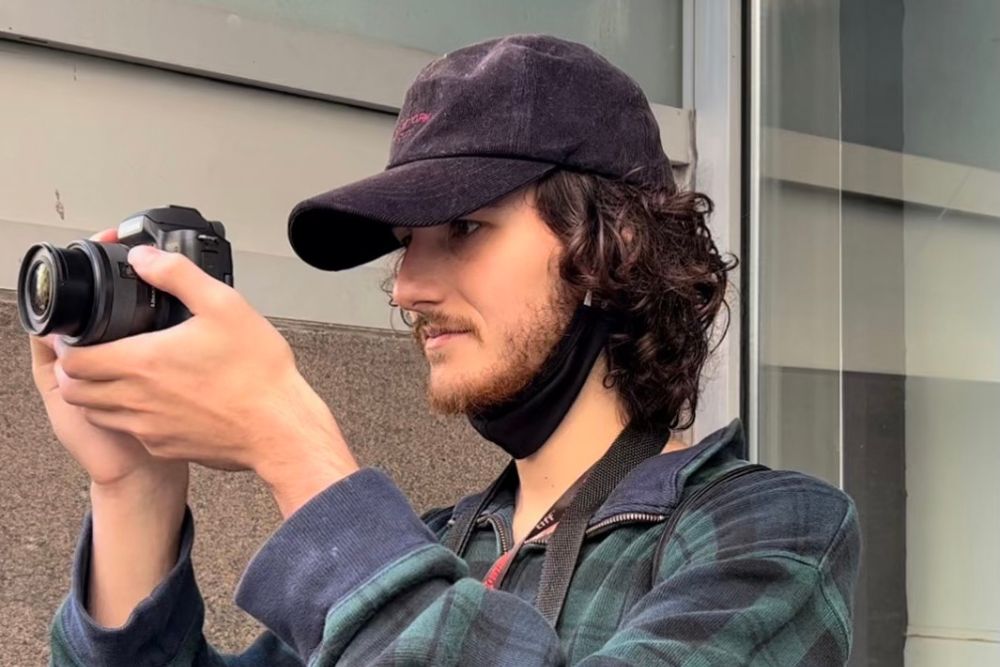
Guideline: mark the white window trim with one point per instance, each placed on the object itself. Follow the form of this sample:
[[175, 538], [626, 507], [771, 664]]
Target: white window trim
[[712, 81]]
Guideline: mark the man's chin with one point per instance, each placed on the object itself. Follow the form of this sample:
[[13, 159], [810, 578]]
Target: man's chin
[[449, 398], [446, 406], [465, 395]]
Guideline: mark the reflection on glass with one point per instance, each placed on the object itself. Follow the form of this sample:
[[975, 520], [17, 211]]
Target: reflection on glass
[[879, 363], [799, 267]]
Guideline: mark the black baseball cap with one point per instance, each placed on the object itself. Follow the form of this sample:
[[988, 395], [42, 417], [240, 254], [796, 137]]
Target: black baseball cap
[[477, 124]]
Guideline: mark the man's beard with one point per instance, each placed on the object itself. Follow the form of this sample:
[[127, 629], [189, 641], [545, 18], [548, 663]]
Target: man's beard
[[526, 347]]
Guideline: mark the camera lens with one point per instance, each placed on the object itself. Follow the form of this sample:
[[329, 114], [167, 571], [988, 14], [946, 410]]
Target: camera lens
[[40, 288], [55, 290], [87, 292]]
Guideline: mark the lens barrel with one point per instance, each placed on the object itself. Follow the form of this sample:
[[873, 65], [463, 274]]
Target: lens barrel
[[87, 292], [55, 290]]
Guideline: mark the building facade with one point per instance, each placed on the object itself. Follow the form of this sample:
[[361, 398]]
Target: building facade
[[852, 148]]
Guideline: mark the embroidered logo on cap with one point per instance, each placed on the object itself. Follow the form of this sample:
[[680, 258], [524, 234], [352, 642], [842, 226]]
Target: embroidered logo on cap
[[407, 125]]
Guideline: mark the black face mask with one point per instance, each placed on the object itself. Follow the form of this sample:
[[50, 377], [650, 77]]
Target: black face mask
[[522, 424]]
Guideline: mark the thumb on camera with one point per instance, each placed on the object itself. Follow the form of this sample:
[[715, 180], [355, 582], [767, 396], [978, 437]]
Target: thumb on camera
[[142, 255], [174, 274]]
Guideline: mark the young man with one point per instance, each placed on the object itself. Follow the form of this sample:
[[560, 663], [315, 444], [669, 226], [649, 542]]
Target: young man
[[563, 292]]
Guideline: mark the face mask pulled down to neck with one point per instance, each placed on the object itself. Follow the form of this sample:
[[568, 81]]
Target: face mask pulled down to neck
[[522, 424]]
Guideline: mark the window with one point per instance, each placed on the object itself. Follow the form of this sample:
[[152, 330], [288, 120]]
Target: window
[[875, 365]]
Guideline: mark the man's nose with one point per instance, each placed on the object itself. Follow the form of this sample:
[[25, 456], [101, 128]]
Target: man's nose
[[419, 282]]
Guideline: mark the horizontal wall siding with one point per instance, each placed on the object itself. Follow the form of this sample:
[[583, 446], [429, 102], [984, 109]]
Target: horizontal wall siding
[[89, 141]]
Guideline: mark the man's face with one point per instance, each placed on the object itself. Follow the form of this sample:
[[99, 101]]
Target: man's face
[[486, 299]]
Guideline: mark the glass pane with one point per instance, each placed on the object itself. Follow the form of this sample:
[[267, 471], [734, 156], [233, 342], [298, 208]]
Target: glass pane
[[951, 99], [799, 268], [643, 37], [878, 320]]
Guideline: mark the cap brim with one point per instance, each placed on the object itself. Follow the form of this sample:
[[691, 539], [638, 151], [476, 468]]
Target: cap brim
[[353, 224]]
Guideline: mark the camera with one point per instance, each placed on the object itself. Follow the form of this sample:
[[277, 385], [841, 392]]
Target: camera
[[89, 293]]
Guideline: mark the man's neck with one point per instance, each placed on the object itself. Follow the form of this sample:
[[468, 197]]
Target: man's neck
[[585, 435]]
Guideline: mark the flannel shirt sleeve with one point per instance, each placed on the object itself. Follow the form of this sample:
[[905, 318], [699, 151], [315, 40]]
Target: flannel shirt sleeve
[[163, 629]]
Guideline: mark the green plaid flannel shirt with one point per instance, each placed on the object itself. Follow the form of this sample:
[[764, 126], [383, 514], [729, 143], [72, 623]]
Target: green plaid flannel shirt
[[760, 574]]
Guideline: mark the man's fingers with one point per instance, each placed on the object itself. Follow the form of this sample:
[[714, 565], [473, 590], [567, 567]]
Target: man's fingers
[[110, 420], [106, 236], [177, 275], [88, 394], [100, 363], [42, 357], [42, 349]]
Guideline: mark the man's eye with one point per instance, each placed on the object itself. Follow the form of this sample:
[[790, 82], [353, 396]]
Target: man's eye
[[462, 228]]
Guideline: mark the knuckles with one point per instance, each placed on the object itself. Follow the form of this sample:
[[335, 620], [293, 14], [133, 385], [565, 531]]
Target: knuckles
[[70, 392], [141, 431], [93, 417], [68, 367]]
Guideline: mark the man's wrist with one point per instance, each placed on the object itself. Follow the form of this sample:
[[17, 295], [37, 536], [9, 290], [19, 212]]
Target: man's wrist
[[136, 532], [296, 483], [168, 479], [307, 453]]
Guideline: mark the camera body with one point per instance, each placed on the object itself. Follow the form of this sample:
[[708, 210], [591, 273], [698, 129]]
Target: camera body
[[182, 230], [89, 293]]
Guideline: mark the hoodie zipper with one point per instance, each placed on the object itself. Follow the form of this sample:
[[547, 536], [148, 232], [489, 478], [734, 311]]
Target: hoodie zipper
[[506, 537], [605, 525], [501, 528], [626, 517]]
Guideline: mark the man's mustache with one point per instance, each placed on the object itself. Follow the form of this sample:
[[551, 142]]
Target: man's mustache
[[436, 323]]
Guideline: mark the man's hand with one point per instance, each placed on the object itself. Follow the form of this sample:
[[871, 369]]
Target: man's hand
[[220, 389], [109, 457]]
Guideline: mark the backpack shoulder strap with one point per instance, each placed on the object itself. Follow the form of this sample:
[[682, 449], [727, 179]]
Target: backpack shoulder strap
[[694, 501]]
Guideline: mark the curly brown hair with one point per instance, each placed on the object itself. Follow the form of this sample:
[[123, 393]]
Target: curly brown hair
[[647, 256]]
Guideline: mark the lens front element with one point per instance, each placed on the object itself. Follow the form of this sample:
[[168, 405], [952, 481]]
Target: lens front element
[[40, 286]]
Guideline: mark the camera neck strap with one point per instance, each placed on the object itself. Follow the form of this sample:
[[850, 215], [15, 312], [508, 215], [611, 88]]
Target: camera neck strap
[[570, 515], [495, 576]]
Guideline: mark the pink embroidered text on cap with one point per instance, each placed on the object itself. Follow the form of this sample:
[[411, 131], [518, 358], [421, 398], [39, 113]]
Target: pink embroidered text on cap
[[407, 125]]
